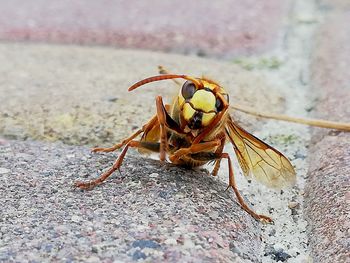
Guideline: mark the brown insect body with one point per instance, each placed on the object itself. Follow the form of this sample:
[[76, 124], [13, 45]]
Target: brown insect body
[[193, 130], [190, 129]]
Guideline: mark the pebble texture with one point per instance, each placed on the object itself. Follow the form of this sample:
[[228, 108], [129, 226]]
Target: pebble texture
[[220, 28], [149, 211], [79, 95], [327, 191]]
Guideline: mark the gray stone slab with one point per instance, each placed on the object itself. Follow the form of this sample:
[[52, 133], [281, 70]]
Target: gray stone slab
[[149, 211]]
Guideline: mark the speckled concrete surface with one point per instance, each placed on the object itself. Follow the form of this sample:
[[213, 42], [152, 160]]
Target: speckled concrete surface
[[149, 211]]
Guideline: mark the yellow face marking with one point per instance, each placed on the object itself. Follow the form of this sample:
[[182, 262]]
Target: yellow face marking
[[213, 86], [209, 85], [207, 118], [203, 100], [188, 112]]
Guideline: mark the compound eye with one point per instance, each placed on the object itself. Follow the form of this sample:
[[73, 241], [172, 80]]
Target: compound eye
[[188, 89], [218, 105]]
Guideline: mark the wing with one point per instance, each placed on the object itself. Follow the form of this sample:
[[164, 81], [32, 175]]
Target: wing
[[152, 131], [265, 163], [151, 134]]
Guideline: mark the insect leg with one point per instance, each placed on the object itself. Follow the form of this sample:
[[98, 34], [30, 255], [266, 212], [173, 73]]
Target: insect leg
[[118, 145], [194, 148], [219, 152], [145, 128], [232, 183], [117, 164]]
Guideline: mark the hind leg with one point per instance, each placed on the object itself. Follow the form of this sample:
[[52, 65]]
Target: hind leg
[[232, 183]]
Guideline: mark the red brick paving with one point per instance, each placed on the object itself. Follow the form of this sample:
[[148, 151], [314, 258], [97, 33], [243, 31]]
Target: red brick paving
[[335, 4], [221, 28], [327, 191]]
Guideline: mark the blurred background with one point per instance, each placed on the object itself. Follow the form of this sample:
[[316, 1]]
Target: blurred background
[[224, 28]]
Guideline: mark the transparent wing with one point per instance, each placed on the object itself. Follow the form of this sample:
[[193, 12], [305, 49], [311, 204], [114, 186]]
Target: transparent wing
[[255, 157]]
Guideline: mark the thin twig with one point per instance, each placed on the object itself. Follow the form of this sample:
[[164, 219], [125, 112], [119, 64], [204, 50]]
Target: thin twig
[[343, 126]]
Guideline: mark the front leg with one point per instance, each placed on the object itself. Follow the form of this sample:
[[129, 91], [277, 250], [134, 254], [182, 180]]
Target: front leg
[[165, 123], [136, 144], [194, 148], [145, 128], [219, 152]]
